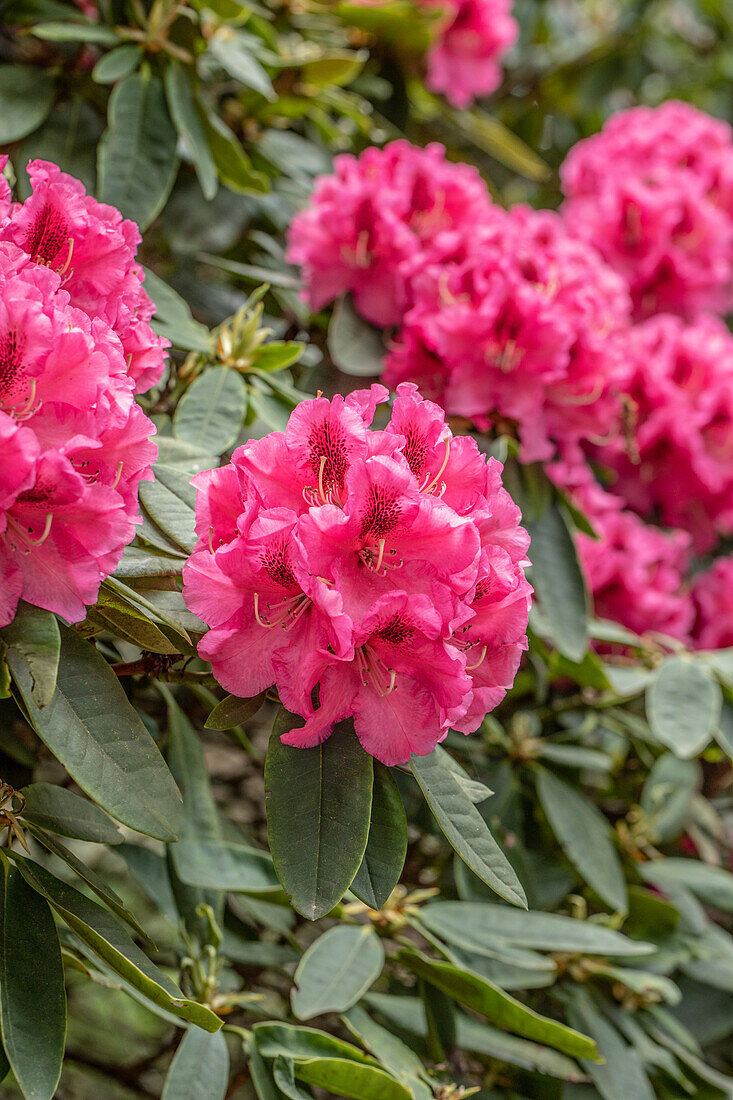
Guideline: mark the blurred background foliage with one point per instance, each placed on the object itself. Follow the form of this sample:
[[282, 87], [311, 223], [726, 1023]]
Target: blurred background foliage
[[207, 124]]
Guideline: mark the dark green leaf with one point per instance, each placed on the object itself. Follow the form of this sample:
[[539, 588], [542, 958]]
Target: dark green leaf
[[584, 835], [33, 637], [210, 413], [137, 155], [232, 163], [170, 501], [302, 1043], [683, 705], [354, 346], [200, 1068], [26, 98], [318, 838], [621, 1074], [386, 848], [351, 1080], [394, 1055], [283, 1073], [336, 970], [173, 318], [117, 64], [68, 814], [77, 32], [92, 729], [183, 110], [465, 828], [713, 885], [558, 582], [33, 1003], [233, 711]]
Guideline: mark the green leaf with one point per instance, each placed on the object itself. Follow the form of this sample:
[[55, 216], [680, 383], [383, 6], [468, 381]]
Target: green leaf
[[117, 64], [683, 705], [464, 827], [283, 1074], [233, 711], [137, 158], [26, 99], [211, 411], [318, 837], [33, 1004], [301, 1043], [481, 925], [497, 1006], [183, 111], [231, 50], [386, 848], [173, 317], [483, 1039], [170, 501], [336, 970], [558, 582], [109, 939], [200, 1068], [351, 1080], [77, 32], [394, 1055], [68, 814], [335, 69], [584, 835], [712, 885], [33, 637], [489, 134], [621, 1074], [232, 163], [668, 794], [354, 346], [93, 730]]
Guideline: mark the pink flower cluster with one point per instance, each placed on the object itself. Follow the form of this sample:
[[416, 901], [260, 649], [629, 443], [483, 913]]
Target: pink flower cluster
[[712, 592], [653, 192], [374, 215], [382, 568], [472, 37], [517, 324], [74, 445]]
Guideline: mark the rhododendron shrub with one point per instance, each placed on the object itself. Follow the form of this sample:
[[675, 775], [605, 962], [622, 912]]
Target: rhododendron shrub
[[653, 192], [671, 455], [515, 326], [74, 445], [383, 568], [377, 213]]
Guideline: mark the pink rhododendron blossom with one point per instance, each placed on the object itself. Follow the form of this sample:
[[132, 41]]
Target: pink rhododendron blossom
[[74, 445], [92, 248], [712, 592], [653, 192], [471, 38], [516, 322], [380, 573], [375, 212], [635, 571], [672, 455]]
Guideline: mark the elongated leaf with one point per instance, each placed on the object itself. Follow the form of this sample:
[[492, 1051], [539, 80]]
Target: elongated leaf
[[683, 706], [283, 1074], [354, 346], [173, 319], [386, 848], [137, 154], [200, 1068], [26, 98], [33, 1003], [34, 637], [318, 838], [465, 828], [117, 64], [394, 1055], [668, 794], [301, 1043], [336, 970], [558, 582], [170, 501], [351, 1080], [713, 885], [211, 411], [182, 106], [92, 729], [497, 1006], [76, 32], [233, 711], [583, 833], [481, 1038], [108, 938], [231, 50], [61, 811], [621, 1074], [232, 163], [482, 924]]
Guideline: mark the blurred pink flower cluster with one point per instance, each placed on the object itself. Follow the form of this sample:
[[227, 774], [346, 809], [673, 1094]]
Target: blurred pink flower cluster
[[591, 335], [653, 192], [472, 36], [75, 345], [383, 567]]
